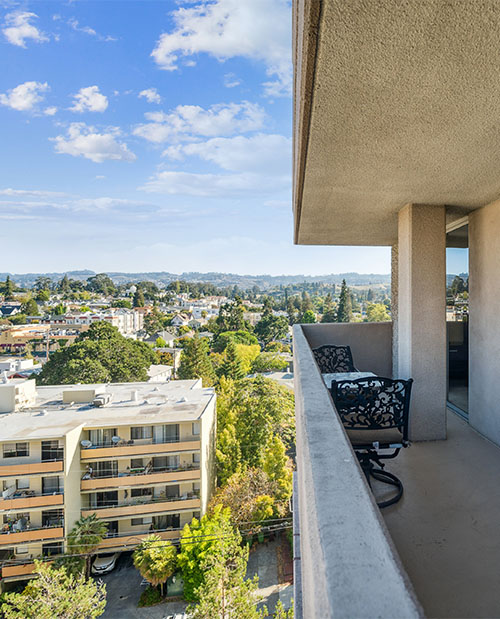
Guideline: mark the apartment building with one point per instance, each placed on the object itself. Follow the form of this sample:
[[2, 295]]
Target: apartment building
[[128, 322], [139, 455], [14, 339]]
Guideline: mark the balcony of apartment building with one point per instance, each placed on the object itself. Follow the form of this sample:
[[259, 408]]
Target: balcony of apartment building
[[144, 501], [386, 99], [135, 472], [28, 458], [146, 440], [31, 494], [28, 527]]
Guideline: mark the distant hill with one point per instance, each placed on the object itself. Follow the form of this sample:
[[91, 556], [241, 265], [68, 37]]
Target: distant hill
[[218, 279]]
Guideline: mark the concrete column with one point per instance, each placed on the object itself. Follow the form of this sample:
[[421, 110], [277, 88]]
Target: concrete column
[[421, 324], [394, 307], [484, 320]]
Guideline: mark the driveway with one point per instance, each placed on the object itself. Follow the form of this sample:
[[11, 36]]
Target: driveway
[[263, 561], [123, 590]]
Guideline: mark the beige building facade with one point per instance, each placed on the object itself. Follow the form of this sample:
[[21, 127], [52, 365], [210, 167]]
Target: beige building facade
[[138, 455]]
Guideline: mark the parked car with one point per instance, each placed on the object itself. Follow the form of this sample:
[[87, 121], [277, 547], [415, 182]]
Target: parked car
[[105, 562]]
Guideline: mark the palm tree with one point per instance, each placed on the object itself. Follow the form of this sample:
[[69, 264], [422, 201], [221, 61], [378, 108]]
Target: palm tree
[[85, 537], [156, 560]]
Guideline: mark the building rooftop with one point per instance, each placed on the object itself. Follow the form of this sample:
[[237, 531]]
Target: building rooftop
[[61, 408]]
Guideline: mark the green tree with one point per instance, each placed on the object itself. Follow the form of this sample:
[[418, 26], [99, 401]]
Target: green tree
[[225, 593], [160, 342], [64, 286], [59, 309], [238, 337], [344, 309], [85, 537], [230, 317], [100, 354], [308, 317], [199, 542], [139, 300], [125, 303], [30, 308], [249, 494], [8, 289], [329, 314], [195, 361], [156, 560], [43, 283], [232, 366], [257, 408], [154, 321], [269, 362], [271, 328], [281, 613], [55, 594], [101, 284], [42, 296], [377, 312], [277, 466]]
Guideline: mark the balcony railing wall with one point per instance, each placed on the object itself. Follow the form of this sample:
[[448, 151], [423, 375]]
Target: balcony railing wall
[[349, 567]]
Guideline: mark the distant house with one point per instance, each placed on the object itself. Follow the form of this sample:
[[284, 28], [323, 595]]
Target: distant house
[[9, 309], [181, 320], [159, 373]]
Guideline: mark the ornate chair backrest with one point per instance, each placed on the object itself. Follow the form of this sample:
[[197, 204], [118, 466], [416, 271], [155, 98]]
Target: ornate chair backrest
[[373, 403], [331, 358]]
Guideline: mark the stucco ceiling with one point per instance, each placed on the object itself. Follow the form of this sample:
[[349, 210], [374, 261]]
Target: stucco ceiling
[[405, 108]]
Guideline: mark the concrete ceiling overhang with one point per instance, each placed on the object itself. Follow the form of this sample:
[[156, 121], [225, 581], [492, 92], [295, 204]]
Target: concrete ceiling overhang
[[396, 102]]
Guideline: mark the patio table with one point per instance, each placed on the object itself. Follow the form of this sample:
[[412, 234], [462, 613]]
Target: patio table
[[329, 378]]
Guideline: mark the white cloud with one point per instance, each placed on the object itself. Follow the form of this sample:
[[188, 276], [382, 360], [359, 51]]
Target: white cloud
[[84, 141], [18, 28], [151, 94], [75, 24], [230, 80], [186, 121], [24, 97], [262, 153], [50, 111], [255, 29], [89, 100], [38, 193], [240, 185]]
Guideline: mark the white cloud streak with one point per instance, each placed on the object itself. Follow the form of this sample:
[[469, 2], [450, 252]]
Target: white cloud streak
[[82, 140], [75, 24], [255, 29], [186, 121], [18, 28]]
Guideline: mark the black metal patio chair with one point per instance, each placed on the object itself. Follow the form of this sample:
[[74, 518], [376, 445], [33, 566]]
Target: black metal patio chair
[[375, 414], [332, 359]]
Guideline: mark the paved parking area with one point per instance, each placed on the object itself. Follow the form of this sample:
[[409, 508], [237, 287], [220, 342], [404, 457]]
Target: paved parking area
[[123, 590]]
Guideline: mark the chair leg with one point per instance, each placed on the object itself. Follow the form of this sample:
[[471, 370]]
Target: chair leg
[[368, 467]]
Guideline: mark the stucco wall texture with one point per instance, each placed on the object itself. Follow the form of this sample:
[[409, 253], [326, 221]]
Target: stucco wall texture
[[484, 321], [422, 316], [405, 107]]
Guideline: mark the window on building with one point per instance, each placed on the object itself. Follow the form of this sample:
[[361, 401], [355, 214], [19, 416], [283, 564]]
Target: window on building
[[49, 550], [196, 458], [141, 492], [141, 432], [136, 463], [22, 550], [105, 469], [195, 428], [16, 450], [51, 451], [102, 436], [23, 484], [137, 522], [51, 485], [53, 518]]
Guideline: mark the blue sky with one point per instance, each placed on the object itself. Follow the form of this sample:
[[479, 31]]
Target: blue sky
[[151, 136]]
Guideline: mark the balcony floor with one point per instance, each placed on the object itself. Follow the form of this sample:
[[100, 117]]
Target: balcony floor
[[446, 527]]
